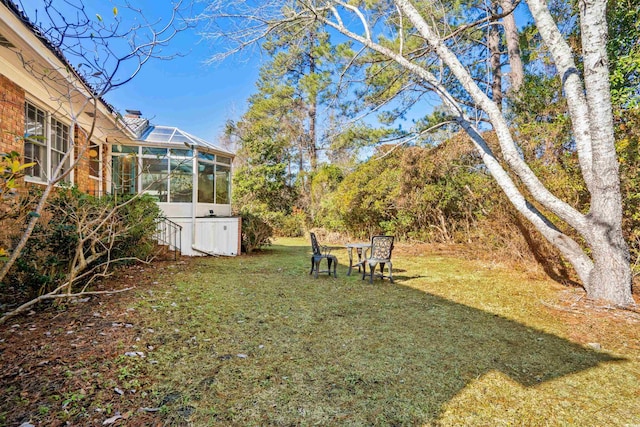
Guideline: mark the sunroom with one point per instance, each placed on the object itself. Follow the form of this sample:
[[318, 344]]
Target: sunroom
[[189, 178]]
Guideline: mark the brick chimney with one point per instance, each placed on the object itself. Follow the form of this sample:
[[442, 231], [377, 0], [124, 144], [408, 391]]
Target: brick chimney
[[135, 122], [133, 114]]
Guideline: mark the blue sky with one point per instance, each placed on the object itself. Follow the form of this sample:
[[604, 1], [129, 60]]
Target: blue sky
[[187, 93], [184, 91]]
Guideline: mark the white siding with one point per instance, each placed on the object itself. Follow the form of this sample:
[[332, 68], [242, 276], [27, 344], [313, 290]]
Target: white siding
[[220, 236]]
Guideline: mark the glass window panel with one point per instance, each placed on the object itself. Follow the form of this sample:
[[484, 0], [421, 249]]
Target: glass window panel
[[59, 147], [95, 160], [181, 153], [117, 148], [205, 182], [155, 174], [56, 159], [162, 131], [59, 136], [223, 185], [181, 181], [35, 145], [125, 174], [160, 152], [35, 153], [35, 124], [160, 135], [225, 160], [179, 138], [206, 156]]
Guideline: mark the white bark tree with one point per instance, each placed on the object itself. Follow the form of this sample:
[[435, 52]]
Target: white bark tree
[[601, 256]]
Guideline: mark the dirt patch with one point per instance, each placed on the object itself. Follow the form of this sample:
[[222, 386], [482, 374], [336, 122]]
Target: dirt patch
[[67, 364]]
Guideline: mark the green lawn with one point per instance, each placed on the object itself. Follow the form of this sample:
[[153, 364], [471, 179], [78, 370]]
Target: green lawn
[[255, 340]]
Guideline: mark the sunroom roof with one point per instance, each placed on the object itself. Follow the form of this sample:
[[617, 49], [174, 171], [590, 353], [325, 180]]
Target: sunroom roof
[[170, 135]]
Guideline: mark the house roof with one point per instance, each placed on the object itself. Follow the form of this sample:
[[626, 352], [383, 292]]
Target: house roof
[[44, 44], [137, 124], [170, 135], [21, 15], [134, 124]]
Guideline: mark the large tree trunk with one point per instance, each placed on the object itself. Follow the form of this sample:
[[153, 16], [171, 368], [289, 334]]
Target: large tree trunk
[[495, 63], [610, 278], [313, 107], [516, 69], [607, 275]]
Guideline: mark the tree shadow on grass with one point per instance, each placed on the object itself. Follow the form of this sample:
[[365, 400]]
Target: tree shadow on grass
[[376, 355], [403, 354]]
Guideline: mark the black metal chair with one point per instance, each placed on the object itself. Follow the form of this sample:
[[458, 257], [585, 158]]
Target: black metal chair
[[320, 253], [380, 253]]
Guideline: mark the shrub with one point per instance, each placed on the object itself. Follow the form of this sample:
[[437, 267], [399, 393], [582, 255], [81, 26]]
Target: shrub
[[287, 225], [140, 218], [77, 232], [256, 231]]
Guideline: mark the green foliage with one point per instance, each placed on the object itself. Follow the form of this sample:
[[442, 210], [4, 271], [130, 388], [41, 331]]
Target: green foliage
[[623, 17], [139, 219], [11, 170], [324, 182], [360, 135], [366, 199], [256, 231], [263, 185], [261, 177], [292, 225], [76, 225], [430, 194], [627, 147]]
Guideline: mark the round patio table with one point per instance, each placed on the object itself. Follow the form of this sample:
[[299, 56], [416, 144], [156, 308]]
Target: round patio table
[[359, 247]]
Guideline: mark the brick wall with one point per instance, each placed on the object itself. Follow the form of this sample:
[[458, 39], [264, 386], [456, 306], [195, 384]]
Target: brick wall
[[83, 179], [11, 116], [12, 101]]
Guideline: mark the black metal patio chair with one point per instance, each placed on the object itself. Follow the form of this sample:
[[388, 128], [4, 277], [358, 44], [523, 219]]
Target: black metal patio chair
[[380, 253], [320, 253]]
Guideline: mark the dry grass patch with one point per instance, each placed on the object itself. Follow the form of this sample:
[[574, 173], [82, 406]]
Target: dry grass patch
[[257, 341]]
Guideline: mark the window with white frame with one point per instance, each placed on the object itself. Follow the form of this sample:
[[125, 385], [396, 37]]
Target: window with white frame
[[35, 142], [206, 177], [95, 168], [167, 174], [47, 141], [124, 163], [223, 184], [214, 179], [59, 147], [155, 172], [95, 161], [181, 181]]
